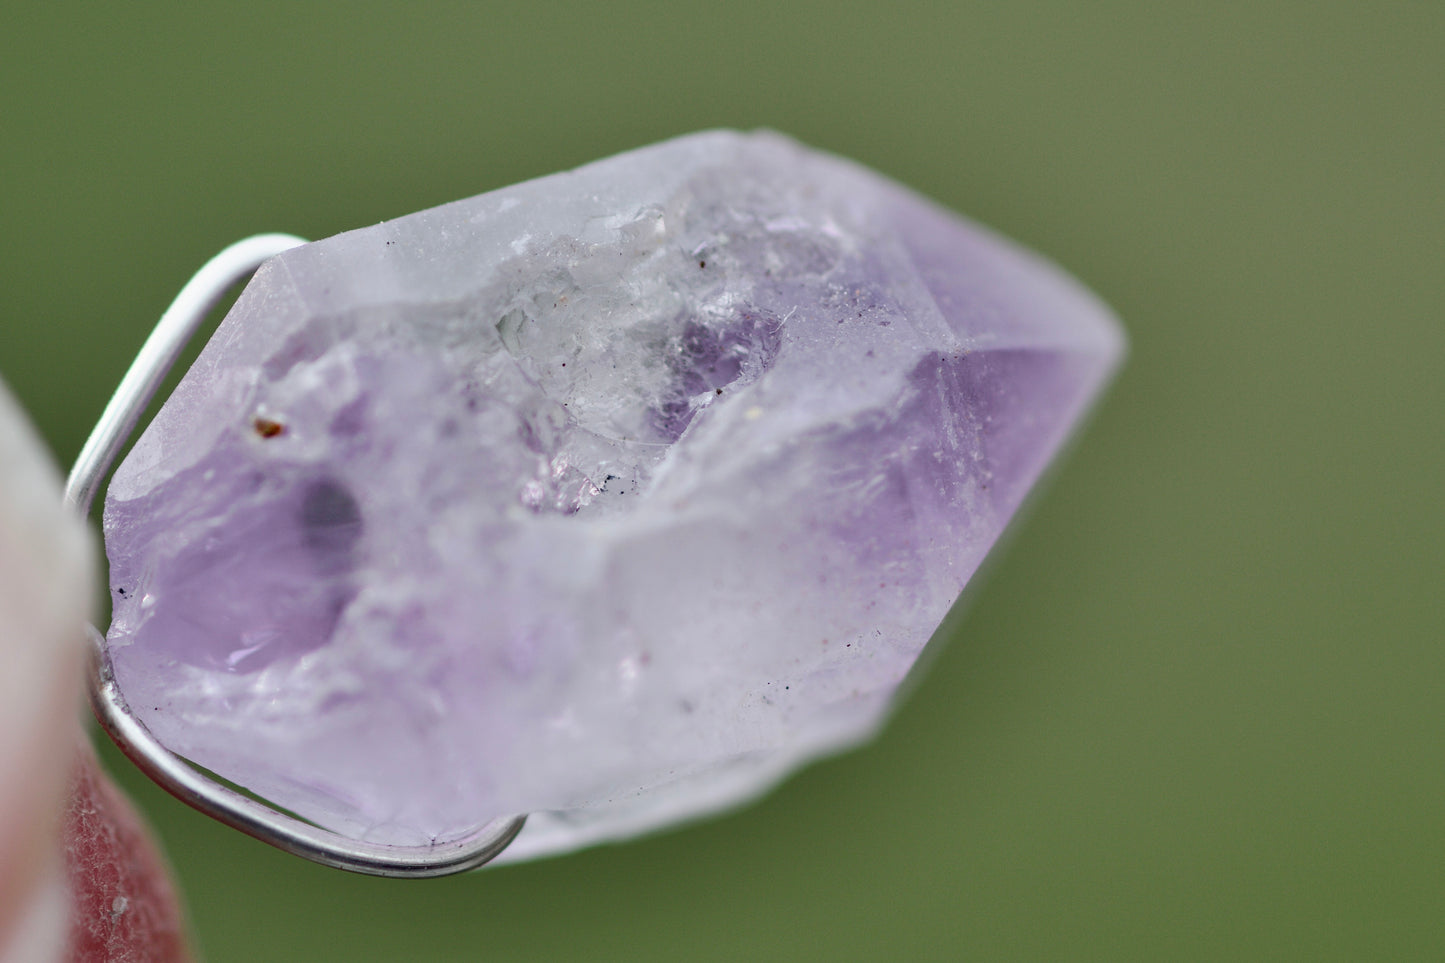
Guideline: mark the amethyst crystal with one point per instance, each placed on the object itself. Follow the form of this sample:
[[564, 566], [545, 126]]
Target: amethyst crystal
[[608, 497]]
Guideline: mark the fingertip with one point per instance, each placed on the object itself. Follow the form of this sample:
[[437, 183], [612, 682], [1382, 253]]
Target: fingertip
[[122, 903]]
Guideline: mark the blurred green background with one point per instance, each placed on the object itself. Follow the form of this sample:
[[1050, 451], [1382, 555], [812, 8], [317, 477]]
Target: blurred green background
[[1196, 710]]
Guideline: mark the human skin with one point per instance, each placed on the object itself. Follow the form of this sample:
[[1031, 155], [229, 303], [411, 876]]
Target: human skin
[[80, 878]]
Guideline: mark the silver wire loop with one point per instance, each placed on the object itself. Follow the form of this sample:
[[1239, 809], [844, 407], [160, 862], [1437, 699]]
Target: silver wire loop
[[169, 771]]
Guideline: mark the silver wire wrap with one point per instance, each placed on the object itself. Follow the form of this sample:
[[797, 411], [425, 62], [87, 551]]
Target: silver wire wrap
[[171, 772]]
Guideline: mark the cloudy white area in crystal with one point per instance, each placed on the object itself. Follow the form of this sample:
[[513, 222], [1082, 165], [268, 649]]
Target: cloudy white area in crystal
[[608, 497]]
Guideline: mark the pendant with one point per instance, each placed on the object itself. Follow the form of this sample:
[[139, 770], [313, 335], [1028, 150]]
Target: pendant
[[606, 499]]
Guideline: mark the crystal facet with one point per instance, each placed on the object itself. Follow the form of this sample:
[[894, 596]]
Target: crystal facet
[[609, 497]]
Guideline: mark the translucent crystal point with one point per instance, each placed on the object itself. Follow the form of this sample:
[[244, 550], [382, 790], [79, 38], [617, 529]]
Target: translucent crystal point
[[608, 497]]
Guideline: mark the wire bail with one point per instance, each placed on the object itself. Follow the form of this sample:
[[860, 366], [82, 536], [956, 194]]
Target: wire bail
[[172, 773]]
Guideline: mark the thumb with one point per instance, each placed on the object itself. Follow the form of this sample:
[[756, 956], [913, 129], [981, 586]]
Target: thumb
[[45, 591]]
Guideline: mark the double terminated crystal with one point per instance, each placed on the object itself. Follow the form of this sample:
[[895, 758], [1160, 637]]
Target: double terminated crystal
[[609, 497]]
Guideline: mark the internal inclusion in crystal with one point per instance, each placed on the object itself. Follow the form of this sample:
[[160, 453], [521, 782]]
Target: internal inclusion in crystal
[[610, 496]]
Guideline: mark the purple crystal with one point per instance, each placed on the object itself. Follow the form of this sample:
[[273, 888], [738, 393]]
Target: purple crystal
[[608, 497]]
